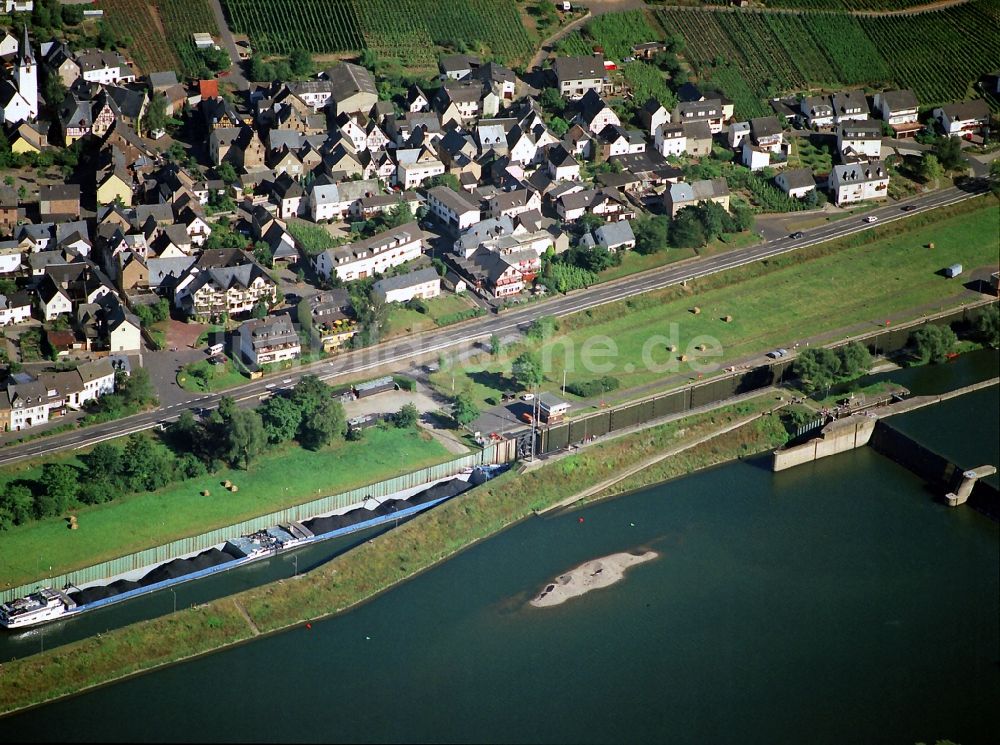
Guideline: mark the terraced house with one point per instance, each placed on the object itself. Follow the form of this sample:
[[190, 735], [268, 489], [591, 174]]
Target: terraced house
[[373, 255], [223, 282]]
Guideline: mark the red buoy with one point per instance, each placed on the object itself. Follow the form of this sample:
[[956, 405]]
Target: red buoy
[[309, 625], [580, 520]]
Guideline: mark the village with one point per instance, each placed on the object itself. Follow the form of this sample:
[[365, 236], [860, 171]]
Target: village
[[292, 217]]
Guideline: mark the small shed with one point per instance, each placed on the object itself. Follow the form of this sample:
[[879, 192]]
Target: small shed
[[371, 387], [551, 408]]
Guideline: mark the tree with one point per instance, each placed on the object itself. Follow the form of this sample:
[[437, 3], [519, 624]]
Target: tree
[[322, 417], [464, 409], [156, 114], [855, 360], [445, 179], [19, 501], [930, 167], [949, 152], [559, 126], [104, 462], [281, 418], [59, 483], [226, 172], [495, 345], [260, 310], [368, 59], [72, 15], [686, 231], [988, 326], [303, 314], [406, 417], [245, 438], [398, 215], [817, 368], [301, 62], [932, 343], [137, 389], [147, 465], [552, 101], [651, 233], [527, 371], [542, 328]]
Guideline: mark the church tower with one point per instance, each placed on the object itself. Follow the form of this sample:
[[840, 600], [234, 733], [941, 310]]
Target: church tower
[[26, 75]]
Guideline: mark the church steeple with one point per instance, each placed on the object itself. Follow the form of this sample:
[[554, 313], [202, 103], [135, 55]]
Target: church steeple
[[27, 56], [26, 76]]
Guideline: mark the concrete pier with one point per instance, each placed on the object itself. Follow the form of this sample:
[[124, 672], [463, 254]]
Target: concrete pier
[[837, 437], [969, 478]]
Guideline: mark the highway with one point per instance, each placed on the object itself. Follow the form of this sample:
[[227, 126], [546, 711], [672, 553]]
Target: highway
[[402, 352]]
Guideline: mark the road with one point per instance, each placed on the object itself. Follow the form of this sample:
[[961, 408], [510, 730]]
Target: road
[[404, 352]]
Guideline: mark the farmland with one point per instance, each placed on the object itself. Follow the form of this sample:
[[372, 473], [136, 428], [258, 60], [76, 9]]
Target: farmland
[[614, 32], [937, 54], [408, 31], [160, 31]]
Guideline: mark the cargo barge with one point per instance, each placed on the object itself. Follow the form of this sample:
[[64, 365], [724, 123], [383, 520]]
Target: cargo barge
[[48, 604]]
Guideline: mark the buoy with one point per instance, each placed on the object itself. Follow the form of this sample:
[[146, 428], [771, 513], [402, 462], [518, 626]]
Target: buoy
[[631, 525], [309, 625], [579, 520], [368, 638]]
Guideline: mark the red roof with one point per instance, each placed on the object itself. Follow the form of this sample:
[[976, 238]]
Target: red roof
[[208, 88]]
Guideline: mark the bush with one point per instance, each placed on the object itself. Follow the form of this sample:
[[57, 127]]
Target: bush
[[594, 387]]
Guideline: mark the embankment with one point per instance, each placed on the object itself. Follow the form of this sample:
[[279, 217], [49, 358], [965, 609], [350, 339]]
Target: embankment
[[376, 566]]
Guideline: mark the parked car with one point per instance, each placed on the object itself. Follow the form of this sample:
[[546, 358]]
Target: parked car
[[909, 207], [871, 218], [796, 235], [777, 353], [527, 396]]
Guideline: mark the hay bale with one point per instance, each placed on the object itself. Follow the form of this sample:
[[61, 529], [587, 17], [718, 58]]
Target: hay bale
[[701, 347], [227, 483], [727, 319], [74, 525], [696, 310], [206, 493], [683, 358], [671, 347], [234, 488], [930, 245]]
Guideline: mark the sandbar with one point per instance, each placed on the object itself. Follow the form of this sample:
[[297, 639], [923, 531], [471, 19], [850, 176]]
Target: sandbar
[[592, 575]]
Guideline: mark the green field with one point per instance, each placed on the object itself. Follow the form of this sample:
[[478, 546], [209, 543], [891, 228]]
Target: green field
[[203, 376], [403, 320], [937, 54], [789, 298], [151, 519]]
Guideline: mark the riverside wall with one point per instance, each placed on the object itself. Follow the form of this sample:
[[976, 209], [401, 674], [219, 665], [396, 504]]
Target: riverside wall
[[837, 437]]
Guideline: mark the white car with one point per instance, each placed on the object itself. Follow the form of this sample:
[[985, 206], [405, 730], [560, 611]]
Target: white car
[[528, 397], [871, 218]]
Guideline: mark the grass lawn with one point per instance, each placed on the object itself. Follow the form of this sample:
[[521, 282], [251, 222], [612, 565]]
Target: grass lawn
[[287, 477], [633, 262], [403, 320], [771, 304], [805, 154], [204, 376]]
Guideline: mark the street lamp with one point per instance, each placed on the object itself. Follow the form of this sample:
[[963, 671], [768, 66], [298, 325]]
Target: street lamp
[[174, 593]]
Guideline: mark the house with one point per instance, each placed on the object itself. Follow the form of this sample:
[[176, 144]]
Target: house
[[817, 112], [122, 328], [899, 109], [670, 140], [577, 75], [595, 114], [859, 140], [551, 408], [964, 118], [711, 111], [860, 181], [608, 203], [457, 66], [371, 256], [648, 50], [490, 272], [288, 193], [849, 106], [29, 137], [561, 165], [223, 282], [15, 308], [452, 208], [59, 201], [682, 195], [697, 137], [352, 88], [104, 67], [653, 115], [796, 182], [614, 236], [738, 131], [423, 284], [333, 318], [513, 203], [29, 405], [416, 165], [268, 340], [10, 211]]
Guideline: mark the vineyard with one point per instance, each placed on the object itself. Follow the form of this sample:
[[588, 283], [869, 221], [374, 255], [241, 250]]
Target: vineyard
[[409, 31], [160, 31], [614, 32], [757, 55], [646, 81]]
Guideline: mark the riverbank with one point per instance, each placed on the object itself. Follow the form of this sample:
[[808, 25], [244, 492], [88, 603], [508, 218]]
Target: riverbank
[[376, 566]]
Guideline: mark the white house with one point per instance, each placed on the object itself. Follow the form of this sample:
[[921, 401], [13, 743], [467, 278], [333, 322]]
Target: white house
[[857, 182], [817, 111], [796, 182], [423, 284], [14, 309], [416, 165], [455, 210], [577, 75], [859, 139], [964, 118], [670, 140], [268, 340], [373, 255], [29, 405], [96, 378], [899, 109], [850, 106], [753, 157]]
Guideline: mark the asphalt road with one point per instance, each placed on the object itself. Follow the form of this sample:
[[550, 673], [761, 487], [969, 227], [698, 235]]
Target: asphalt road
[[401, 353]]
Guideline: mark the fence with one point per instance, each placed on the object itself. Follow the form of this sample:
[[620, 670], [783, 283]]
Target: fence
[[500, 453]]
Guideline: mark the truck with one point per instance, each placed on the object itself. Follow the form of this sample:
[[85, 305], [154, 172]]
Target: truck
[[953, 271]]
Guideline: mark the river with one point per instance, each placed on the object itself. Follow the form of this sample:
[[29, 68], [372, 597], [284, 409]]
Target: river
[[835, 602]]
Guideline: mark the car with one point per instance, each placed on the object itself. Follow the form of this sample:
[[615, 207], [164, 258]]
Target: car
[[782, 352], [777, 353], [796, 235], [909, 207], [871, 218], [528, 397]]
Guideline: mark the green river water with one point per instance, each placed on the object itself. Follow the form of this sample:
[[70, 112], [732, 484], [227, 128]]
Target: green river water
[[835, 602]]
